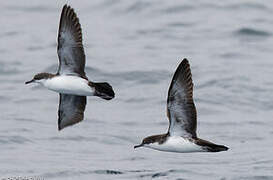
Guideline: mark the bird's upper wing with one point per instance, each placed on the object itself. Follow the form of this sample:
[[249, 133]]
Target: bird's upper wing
[[70, 49], [71, 110], [180, 106]]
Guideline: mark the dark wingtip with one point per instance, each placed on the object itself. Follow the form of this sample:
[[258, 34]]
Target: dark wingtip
[[59, 128], [184, 63], [59, 123], [185, 60], [183, 66], [66, 6]]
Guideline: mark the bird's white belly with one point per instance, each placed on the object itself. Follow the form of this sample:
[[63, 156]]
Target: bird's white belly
[[176, 144], [69, 85]]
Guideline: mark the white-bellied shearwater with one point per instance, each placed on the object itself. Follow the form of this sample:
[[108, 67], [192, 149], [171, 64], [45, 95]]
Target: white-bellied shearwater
[[181, 136], [70, 80]]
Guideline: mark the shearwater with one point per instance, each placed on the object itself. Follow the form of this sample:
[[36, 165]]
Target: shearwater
[[181, 136], [70, 80]]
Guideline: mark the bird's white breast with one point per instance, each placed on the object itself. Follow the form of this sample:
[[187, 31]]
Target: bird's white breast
[[69, 85], [176, 144]]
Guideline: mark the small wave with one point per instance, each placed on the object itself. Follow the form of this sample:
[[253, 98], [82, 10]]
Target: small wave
[[159, 174], [11, 33], [8, 70], [71, 173], [138, 6], [107, 172], [104, 4], [149, 31], [136, 159], [247, 5], [139, 171], [72, 138], [66, 173], [153, 175], [4, 98], [25, 119], [232, 55], [35, 48], [180, 24], [178, 9], [40, 8], [132, 100], [13, 140], [252, 32], [255, 178]]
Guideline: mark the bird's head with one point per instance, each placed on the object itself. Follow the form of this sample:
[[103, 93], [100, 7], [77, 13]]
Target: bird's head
[[152, 139], [40, 78]]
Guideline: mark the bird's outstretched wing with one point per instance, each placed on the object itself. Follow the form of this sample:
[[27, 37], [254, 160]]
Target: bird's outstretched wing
[[70, 49], [180, 106], [71, 110]]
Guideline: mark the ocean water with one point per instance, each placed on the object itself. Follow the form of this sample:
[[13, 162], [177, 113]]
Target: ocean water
[[136, 46]]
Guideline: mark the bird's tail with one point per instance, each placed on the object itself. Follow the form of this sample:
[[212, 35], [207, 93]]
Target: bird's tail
[[103, 90], [211, 147], [217, 148]]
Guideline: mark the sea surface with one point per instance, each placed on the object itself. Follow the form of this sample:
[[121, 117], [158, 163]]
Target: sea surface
[[136, 46]]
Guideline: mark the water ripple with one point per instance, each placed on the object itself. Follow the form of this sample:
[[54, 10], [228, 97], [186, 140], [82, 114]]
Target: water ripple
[[254, 178], [251, 32], [8, 69], [112, 172], [178, 9], [14, 139], [72, 138], [71, 173], [34, 9], [137, 6]]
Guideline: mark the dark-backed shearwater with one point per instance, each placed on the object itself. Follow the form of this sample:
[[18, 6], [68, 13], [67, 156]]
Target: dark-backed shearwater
[[181, 136], [70, 80]]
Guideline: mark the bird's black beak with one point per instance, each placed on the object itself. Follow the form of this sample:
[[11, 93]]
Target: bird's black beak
[[137, 146], [29, 81]]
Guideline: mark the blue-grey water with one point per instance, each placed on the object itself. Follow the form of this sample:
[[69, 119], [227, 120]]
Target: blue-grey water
[[136, 46]]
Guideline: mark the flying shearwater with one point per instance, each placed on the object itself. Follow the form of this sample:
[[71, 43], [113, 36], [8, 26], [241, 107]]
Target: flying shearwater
[[181, 136], [70, 80]]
